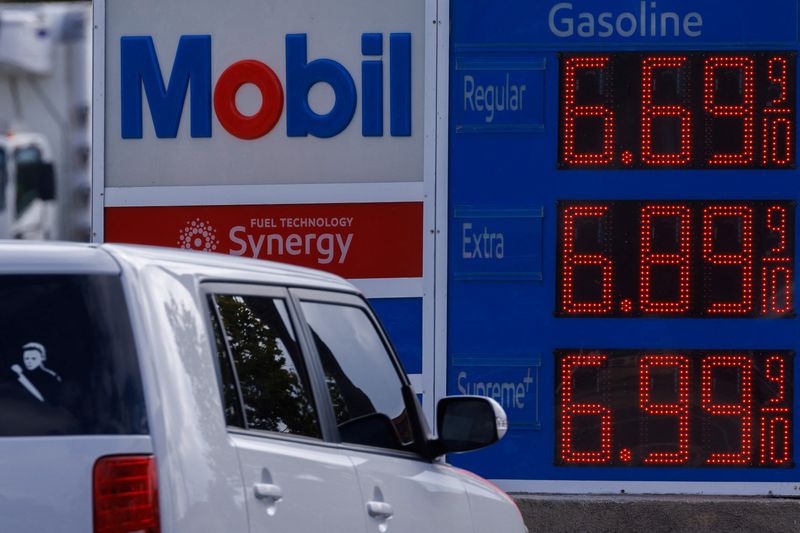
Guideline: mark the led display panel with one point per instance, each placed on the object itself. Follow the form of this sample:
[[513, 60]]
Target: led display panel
[[622, 188], [648, 110], [672, 259], [684, 408]]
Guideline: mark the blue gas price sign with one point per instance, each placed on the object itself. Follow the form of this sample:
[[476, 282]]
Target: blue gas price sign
[[630, 172]]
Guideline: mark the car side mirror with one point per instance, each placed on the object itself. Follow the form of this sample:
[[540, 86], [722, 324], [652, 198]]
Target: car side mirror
[[467, 423]]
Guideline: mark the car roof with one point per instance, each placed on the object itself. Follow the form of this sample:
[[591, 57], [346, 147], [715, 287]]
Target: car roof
[[31, 257]]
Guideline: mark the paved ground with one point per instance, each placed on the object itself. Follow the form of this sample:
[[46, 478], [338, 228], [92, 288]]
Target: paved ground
[[657, 514]]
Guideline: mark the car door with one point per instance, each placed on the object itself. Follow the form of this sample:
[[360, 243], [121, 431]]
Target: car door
[[294, 480], [402, 492]]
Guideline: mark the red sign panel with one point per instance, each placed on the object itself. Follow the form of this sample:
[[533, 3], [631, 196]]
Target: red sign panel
[[379, 240]]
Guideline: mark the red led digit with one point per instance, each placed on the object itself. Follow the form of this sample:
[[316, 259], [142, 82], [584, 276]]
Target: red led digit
[[679, 408], [777, 289], [571, 111], [571, 259], [743, 409], [775, 439], [775, 373], [777, 74], [681, 259], [570, 409], [778, 140], [778, 128], [776, 274], [651, 112], [743, 258], [776, 222], [745, 110], [775, 425]]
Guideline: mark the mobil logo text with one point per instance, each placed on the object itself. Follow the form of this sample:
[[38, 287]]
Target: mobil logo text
[[141, 76]]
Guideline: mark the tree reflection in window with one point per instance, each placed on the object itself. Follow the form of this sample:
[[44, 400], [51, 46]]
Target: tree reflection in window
[[364, 385], [268, 364]]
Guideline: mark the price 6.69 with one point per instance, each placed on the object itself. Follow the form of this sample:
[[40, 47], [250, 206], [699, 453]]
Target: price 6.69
[[687, 408], [700, 110]]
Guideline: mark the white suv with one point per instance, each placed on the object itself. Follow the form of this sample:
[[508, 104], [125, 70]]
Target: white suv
[[154, 390]]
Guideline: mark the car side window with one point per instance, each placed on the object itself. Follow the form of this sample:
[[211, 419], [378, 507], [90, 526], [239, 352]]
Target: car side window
[[267, 366], [362, 381]]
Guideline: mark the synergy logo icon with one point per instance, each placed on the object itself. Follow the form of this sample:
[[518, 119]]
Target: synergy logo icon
[[198, 235]]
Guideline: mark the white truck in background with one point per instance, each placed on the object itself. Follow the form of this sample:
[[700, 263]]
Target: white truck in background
[[45, 80]]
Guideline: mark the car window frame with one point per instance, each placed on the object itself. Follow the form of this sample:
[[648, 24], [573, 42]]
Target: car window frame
[[418, 426], [226, 345], [322, 408]]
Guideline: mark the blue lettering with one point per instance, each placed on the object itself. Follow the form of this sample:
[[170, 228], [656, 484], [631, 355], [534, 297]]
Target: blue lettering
[[301, 75], [372, 86], [140, 68], [141, 74], [400, 84]]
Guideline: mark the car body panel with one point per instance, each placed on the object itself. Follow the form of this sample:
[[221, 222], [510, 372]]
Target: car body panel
[[425, 497], [317, 483], [216, 267], [55, 258], [192, 446], [492, 510], [46, 483]]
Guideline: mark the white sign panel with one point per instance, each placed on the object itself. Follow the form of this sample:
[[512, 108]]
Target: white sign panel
[[257, 92]]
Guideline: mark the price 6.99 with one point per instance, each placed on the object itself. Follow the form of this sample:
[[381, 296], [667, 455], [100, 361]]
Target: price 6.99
[[682, 408]]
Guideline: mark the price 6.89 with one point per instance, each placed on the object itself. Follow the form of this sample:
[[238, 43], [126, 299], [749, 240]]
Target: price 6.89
[[686, 408], [700, 259]]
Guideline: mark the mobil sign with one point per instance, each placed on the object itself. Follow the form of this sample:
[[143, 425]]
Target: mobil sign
[[191, 70], [255, 127], [263, 92]]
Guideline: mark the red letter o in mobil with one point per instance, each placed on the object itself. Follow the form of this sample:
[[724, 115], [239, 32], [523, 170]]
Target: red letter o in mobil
[[263, 77]]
